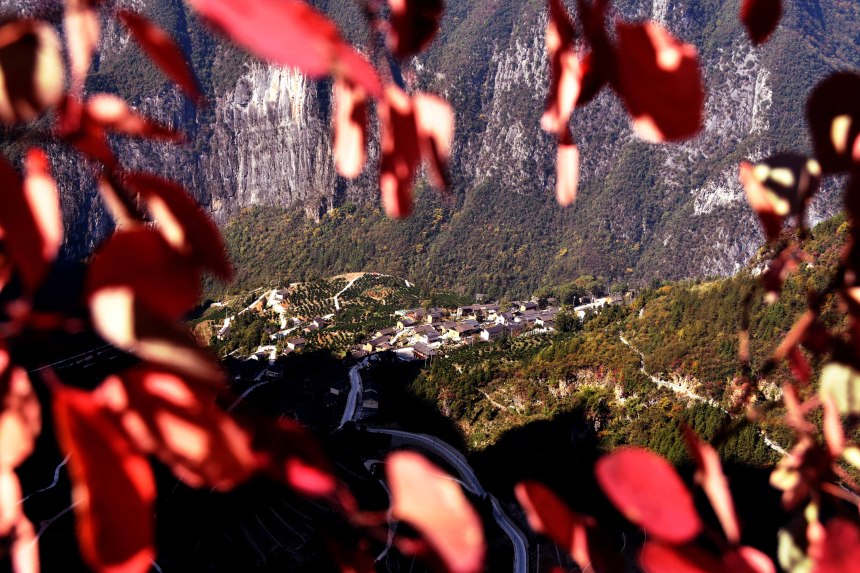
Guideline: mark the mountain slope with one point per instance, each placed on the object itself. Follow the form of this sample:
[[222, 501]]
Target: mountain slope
[[644, 211]]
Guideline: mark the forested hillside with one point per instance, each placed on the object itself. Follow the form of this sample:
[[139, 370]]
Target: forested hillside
[[688, 333]]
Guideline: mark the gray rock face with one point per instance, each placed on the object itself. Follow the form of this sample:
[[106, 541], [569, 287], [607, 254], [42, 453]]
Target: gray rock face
[[265, 138]]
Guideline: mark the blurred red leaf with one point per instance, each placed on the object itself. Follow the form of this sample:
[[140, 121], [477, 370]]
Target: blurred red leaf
[[549, 515], [592, 79], [414, 23], [777, 271], [649, 492], [760, 17], [112, 485], [801, 471], [770, 209], [427, 498], [833, 114], [659, 557], [289, 453], [31, 70], [748, 560], [434, 120], [400, 152], [131, 326], [290, 33], [140, 261], [163, 50], [839, 551], [20, 417], [83, 27], [565, 70], [177, 420], [658, 78], [567, 172], [709, 474], [184, 224], [799, 366], [88, 137], [29, 217], [15, 529], [350, 128], [43, 199], [113, 114], [832, 426]]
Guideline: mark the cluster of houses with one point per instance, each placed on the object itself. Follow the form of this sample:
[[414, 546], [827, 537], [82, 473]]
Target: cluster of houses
[[421, 333]]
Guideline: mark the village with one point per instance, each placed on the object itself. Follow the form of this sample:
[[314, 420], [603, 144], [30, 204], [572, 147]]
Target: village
[[420, 333]]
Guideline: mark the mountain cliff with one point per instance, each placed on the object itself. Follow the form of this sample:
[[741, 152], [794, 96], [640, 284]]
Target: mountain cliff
[[644, 211]]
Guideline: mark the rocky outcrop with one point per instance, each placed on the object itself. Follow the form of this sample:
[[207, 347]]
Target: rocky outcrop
[[264, 138]]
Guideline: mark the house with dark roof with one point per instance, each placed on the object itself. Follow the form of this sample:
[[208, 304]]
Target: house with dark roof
[[296, 343], [493, 332], [423, 351]]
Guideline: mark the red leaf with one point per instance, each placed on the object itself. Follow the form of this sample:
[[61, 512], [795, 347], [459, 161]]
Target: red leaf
[[434, 119], [649, 492], [121, 320], [658, 557], [15, 528], [31, 70], [414, 23], [83, 27], [760, 17], [709, 474], [549, 515], [184, 224], [777, 271], [177, 420], [141, 262], [839, 551], [799, 366], [567, 172], [433, 503], [832, 426], [289, 453], [592, 79], [163, 50], [20, 417], [779, 187], [113, 114], [28, 217], [88, 137], [113, 487], [748, 560], [658, 78], [566, 74], [43, 199], [833, 113], [400, 154], [290, 33], [350, 128]]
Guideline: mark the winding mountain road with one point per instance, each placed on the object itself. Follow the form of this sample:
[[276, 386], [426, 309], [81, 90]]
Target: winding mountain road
[[451, 456]]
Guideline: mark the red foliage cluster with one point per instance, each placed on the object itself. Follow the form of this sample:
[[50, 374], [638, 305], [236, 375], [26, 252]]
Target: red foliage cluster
[[656, 76], [146, 276]]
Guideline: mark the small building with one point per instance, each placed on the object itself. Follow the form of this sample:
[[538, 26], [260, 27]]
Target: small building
[[376, 344], [528, 305], [320, 322], [423, 351], [296, 343], [390, 331], [405, 322], [493, 332], [515, 328], [505, 318]]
